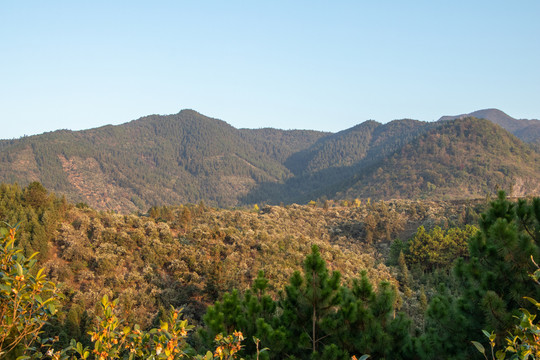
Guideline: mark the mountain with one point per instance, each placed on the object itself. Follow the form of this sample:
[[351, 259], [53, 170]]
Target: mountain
[[181, 158], [458, 159], [188, 158], [329, 165], [454, 159], [526, 130]]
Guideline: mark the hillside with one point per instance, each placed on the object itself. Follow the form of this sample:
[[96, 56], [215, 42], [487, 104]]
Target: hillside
[[462, 158], [326, 168], [190, 255], [526, 130], [179, 158], [188, 158]]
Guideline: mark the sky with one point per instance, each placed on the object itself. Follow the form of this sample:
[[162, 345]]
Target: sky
[[323, 65]]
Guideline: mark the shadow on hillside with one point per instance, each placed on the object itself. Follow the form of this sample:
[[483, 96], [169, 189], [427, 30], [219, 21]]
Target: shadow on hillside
[[189, 297], [303, 188]]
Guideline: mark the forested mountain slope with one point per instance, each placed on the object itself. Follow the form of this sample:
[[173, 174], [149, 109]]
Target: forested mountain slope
[[179, 158], [461, 158], [526, 130], [188, 158], [329, 165]]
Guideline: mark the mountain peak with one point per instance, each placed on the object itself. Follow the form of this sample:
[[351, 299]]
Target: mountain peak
[[488, 114], [515, 126]]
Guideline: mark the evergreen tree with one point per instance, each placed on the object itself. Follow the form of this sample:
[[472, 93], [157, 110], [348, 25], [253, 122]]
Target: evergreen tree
[[254, 313], [365, 322], [307, 302], [493, 282]]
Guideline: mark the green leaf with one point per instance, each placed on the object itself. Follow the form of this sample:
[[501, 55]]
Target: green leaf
[[363, 357], [39, 273], [536, 303], [500, 355], [19, 269], [24, 357], [164, 326], [479, 347]]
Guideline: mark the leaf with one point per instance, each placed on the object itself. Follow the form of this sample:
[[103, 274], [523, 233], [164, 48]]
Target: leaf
[[39, 273], [363, 357], [536, 303], [52, 308], [500, 355], [486, 334], [479, 347], [24, 357], [164, 326], [19, 269]]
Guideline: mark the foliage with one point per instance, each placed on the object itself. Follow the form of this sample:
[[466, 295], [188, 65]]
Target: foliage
[[316, 317], [27, 298], [438, 248], [493, 282], [523, 342], [111, 340]]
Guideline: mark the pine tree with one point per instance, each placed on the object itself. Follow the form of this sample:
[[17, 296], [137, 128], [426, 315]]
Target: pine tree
[[493, 282], [365, 322], [254, 313], [403, 276], [308, 301]]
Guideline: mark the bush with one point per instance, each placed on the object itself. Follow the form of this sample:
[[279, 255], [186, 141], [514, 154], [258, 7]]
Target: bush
[[26, 300]]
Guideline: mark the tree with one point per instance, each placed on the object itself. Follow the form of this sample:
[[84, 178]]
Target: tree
[[315, 317], [365, 322], [36, 195], [493, 282], [307, 302], [437, 248], [254, 312]]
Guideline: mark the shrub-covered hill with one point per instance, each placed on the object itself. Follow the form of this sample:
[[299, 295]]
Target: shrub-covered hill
[[190, 255]]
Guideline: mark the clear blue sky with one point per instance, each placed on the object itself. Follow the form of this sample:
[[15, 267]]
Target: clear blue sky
[[324, 65]]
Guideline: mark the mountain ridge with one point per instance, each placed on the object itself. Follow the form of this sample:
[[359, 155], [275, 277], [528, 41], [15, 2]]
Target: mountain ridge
[[188, 157], [527, 130]]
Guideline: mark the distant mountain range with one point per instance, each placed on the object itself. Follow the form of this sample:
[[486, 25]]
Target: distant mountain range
[[188, 157]]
